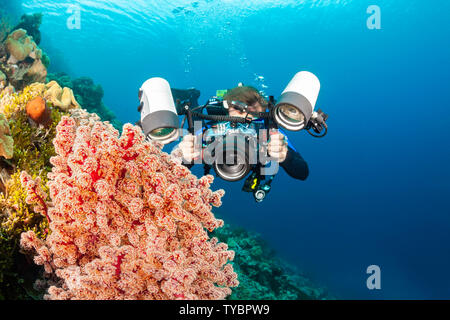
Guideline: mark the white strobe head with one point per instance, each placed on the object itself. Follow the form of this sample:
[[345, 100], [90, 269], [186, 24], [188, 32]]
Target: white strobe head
[[159, 118], [297, 102]]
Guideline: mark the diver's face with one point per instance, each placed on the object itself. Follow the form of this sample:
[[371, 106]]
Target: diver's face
[[256, 107]]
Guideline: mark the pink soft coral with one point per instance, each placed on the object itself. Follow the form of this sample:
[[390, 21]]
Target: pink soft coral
[[126, 220]]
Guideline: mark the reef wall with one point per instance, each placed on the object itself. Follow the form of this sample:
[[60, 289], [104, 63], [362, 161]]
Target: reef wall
[[91, 210]]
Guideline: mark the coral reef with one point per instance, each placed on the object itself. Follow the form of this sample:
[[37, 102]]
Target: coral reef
[[89, 96], [45, 60], [33, 145], [32, 150], [16, 271], [3, 80], [21, 60], [63, 79], [90, 212], [260, 274], [19, 46], [126, 221], [32, 142], [19, 216], [6, 141], [6, 263], [62, 98], [31, 23], [5, 25], [263, 276]]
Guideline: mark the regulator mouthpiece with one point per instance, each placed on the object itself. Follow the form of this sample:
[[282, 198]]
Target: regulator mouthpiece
[[159, 118], [297, 102]]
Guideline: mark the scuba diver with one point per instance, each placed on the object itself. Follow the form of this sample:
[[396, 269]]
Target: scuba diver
[[239, 136], [278, 148]]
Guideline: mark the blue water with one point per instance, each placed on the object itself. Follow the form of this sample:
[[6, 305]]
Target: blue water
[[379, 182]]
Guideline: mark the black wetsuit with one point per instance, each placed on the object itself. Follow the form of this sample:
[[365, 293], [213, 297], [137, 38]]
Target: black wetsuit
[[295, 165]]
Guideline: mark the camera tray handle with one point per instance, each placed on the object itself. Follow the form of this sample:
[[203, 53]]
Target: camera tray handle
[[188, 112]]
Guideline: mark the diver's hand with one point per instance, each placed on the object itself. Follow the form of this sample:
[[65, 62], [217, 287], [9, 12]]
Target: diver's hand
[[277, 147], [187, 147]]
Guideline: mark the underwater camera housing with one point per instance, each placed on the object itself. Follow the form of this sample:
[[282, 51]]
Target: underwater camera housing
[[231, 149], [231, 144]]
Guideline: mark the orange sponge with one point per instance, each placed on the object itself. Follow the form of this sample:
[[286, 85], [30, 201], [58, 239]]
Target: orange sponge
[[38, 111]]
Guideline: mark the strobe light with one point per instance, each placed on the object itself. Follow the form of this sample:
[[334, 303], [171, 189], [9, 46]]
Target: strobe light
[[159, 118], [297, 102]]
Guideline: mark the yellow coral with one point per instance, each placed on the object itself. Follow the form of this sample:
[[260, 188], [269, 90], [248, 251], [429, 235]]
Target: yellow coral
[[6, 141], [15, 101], [17, 214], [33, 147], [62, 98]]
